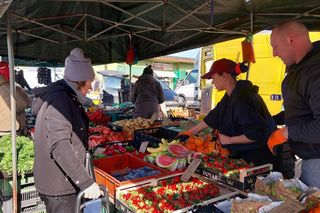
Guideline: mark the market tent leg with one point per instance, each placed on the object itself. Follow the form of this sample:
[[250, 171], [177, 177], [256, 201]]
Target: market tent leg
[[13, 115]]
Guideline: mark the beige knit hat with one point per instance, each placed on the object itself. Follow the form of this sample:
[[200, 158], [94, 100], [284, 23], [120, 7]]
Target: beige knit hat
[[77, 67]]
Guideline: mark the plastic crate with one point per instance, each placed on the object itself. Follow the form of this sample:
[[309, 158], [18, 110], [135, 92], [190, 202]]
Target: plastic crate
[[6, 183], [104, 121], [211, 208], [38, 208], [29, 197], [153, 136], [27, 193], [124, 116], [105, 166]]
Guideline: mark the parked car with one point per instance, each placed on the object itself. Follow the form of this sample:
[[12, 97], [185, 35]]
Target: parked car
[[111, 84]]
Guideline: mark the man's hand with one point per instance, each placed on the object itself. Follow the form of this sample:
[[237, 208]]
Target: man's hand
[[277, 138], [92, 192]]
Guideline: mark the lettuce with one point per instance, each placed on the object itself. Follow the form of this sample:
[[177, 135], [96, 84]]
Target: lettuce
[[25, 155]]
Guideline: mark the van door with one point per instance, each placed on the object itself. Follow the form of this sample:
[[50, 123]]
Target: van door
[[267, 73], [188, 89]]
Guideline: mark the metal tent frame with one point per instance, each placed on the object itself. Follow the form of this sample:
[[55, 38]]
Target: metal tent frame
[[51, 28]]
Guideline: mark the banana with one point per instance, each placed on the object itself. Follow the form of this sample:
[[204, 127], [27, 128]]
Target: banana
[[164, 141], [155, 150]]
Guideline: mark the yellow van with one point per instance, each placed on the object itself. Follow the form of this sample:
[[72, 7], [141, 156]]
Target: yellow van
[[267, 73]]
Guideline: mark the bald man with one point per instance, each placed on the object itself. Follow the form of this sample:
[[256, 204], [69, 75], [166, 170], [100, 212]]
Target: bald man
[[301, 94]]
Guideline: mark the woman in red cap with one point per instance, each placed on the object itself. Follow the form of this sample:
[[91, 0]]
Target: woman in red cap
[[241, 117]]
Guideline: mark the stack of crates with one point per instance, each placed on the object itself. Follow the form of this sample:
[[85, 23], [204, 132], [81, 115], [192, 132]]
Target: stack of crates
[[29, 200], [153, 136]]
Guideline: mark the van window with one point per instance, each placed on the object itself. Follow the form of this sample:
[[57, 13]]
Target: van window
[[111, 82], [192, 77], [163, 85]]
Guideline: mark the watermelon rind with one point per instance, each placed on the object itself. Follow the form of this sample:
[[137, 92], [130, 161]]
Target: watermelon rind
[[171, 166]]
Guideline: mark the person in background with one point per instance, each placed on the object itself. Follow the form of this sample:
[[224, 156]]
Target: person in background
[[61, 137], [301, 97], [241, 117], [147, 95], [21, 80], [22, 102]]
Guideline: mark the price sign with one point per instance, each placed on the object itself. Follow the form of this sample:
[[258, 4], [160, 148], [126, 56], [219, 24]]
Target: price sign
[[191, 169], [143, 146]]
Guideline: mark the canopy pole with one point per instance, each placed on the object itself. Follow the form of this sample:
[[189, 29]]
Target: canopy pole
[[13, 115], [130, 78]]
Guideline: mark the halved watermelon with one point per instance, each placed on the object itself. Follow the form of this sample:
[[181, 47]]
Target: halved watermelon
[[178, 150], [167, 162]]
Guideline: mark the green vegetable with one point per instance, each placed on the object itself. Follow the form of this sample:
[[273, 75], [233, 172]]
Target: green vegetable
[[25, 154], [130, 148], [98, 156]]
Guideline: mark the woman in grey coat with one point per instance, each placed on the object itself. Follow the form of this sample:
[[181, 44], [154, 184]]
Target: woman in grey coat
[[147, 95]]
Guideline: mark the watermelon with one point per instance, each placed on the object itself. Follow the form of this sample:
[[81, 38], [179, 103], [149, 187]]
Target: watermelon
[[167, 162], [178, 150]]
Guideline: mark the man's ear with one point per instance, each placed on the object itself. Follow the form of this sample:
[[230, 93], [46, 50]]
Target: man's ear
[[291, 39]]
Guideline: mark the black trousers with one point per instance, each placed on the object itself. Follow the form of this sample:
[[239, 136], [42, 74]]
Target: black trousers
[[59, 204]]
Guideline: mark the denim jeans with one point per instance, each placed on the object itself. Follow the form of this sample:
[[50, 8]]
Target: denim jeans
[[310, 172]]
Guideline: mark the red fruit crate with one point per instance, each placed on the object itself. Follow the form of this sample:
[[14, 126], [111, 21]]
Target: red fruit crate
[[105, 167]]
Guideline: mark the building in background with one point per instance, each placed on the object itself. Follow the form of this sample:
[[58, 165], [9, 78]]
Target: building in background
[[168, 69]]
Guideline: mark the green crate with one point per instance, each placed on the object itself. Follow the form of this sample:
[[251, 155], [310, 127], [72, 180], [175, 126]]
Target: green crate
[[6, 184]]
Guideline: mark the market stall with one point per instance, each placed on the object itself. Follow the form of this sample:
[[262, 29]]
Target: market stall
[[200, 19]]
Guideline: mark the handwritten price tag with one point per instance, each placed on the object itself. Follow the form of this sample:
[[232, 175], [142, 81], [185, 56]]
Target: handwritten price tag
[[143, 146], [191, 169]]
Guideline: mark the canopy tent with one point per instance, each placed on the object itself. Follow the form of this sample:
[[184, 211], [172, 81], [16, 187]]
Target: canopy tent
[[46, 30]]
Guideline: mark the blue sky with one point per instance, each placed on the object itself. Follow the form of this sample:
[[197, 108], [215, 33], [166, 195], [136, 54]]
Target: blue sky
[[188, 54]]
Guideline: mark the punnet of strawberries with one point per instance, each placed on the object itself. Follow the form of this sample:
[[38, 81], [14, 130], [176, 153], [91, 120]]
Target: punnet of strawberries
[[224, 165], [170, 195]]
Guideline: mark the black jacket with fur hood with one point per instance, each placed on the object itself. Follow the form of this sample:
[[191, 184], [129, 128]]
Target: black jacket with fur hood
[[60, 141]]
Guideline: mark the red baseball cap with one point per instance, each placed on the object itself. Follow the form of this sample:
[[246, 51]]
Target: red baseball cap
[[221, 66], [4, 69]]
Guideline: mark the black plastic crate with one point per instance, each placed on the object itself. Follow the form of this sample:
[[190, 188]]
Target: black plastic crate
[[153, 136], [211, 208]]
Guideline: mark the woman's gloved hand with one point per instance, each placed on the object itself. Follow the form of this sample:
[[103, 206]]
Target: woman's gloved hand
[[92, 192], [277, 138], [187, 133], [182, 136]]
